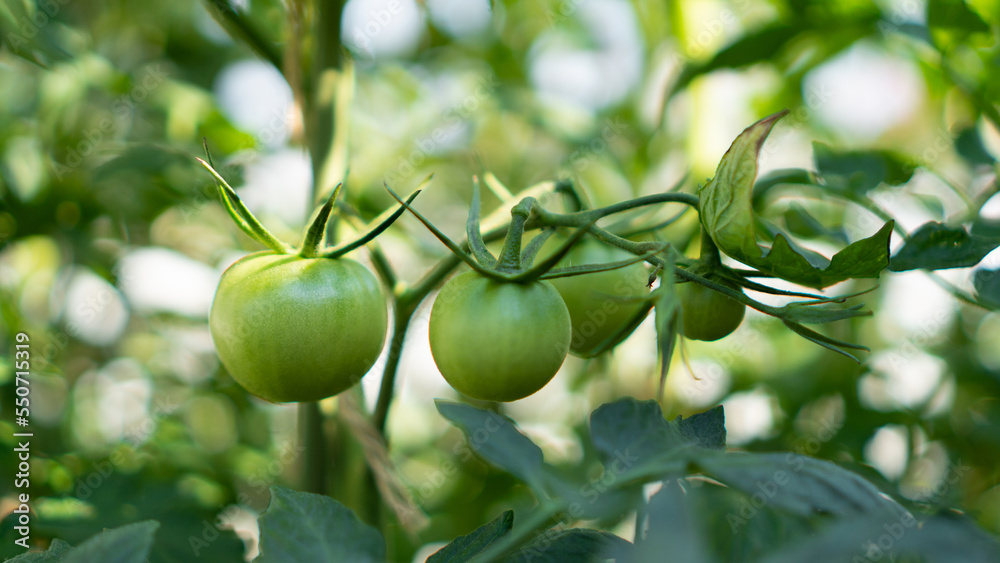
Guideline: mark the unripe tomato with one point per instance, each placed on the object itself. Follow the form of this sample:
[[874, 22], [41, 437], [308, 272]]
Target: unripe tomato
[[297, 329], [498, 341], [707, 314], [599, 303]]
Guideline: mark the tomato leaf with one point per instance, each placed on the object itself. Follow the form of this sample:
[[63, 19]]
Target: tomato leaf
[[464, 548], [54, 554], [810, 313], [665, 319], [935, 246], [576, 544], [635, 436], [727, 216], [780, 177], [307, 527], [801, 223], [858, 172], [725, 199], [707, 429], [987, 284], [940, 539], [673, 527], [497, 439], [797, 483], [128, 544], [825, 341]]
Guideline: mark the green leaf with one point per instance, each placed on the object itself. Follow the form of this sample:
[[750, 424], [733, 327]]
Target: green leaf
[[307, 527], [954, 14], [54, 554], [970, 146], [801, 223], [497, 439], [466, 547], [797, 483], [751, 48], [858, 172], [806, 312], [634, 427], [987, 284], [727, 216], [635, 441], [725, 199], [581, 545], [128, 544], [833, 344], [943, 538], [780, 177], [935, 246], [707, 429], [673, 527], [865, 258], [665, 318]]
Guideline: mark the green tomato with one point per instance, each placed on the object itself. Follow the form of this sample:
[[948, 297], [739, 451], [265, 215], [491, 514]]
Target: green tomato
[[706, 314], [498, 341], [297, 329], [602, 305]]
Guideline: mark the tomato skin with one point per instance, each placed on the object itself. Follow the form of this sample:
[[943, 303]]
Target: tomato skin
[[706, 314], [599, 303], [297, 329], [498, 341]]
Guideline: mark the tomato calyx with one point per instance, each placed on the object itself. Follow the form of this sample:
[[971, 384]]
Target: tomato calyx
[[314, 239]]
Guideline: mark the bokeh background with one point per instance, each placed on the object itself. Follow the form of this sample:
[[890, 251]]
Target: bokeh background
[[112, 239]]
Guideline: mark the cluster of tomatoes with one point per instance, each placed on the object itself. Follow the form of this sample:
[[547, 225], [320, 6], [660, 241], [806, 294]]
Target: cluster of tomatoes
[[302, 327]]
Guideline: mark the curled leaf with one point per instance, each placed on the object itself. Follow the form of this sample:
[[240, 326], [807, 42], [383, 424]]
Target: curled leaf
[[726, 214]]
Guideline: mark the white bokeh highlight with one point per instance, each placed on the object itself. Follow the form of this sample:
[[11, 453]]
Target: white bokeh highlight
[[255, 96], [382, 28], [161, 280], [865, 91], [93, 310]]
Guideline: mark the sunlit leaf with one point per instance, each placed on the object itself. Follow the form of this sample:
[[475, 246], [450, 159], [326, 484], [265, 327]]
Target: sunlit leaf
[[727, 216]]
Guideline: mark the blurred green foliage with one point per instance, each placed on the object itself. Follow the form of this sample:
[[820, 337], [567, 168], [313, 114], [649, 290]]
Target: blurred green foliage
[[104, 105]]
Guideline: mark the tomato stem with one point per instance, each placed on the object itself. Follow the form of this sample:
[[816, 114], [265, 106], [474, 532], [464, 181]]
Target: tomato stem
[[709, 251], [312, 439], [510, 255]]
